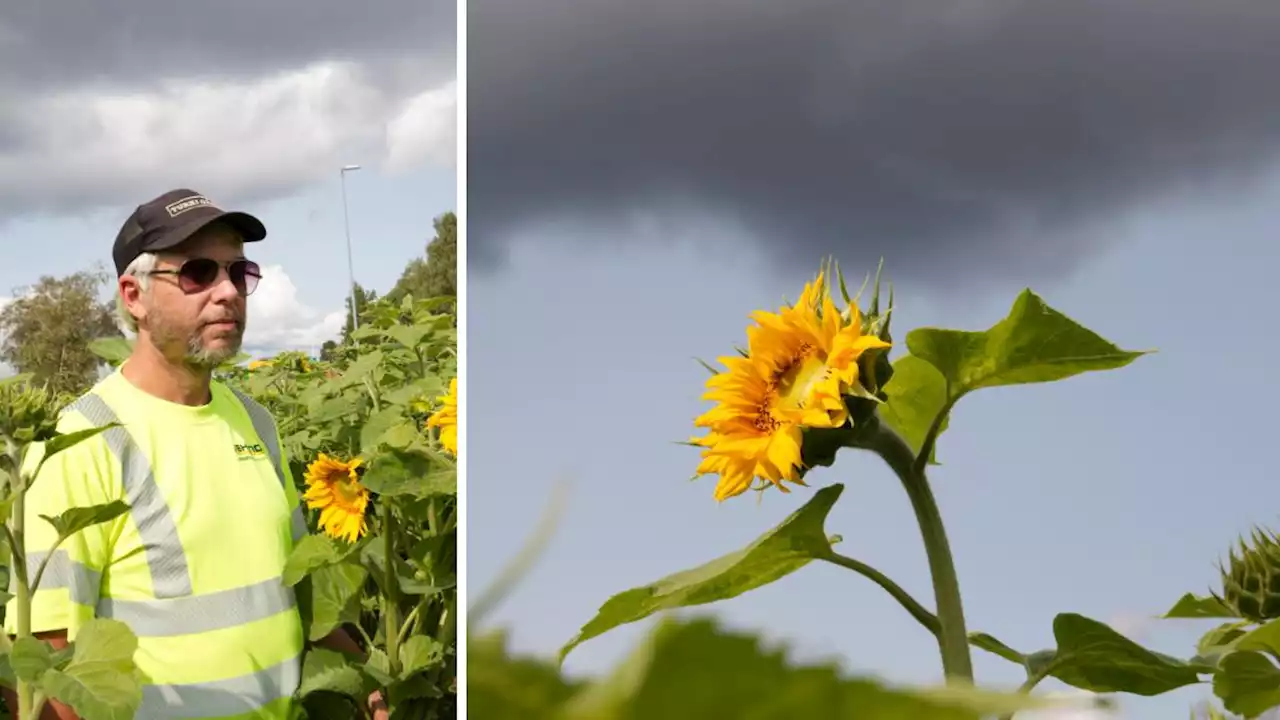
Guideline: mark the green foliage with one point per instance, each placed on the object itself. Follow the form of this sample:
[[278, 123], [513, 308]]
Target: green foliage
[[1033, 344], [326, 671], [1092, 656], [1240, 654], [72, 521], [112, 350], [432, 276], [1248, 683], [916, 396], [47, 329], [778, 553], [403, 472], [396, 585], [1194, 606], [100, 681], [312, 553], [28, 413], [502, 687], [436, 275], [696, 669], [1251, 580], [363, 299], [96, 675]]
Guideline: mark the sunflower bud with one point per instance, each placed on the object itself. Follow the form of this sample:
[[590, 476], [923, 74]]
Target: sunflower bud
[[27, 413], [874, 366], [1251, 578]]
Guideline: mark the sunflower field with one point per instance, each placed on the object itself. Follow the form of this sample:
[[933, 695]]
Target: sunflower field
[[96, 676], [815, 380], [370, 435], [371, 438]]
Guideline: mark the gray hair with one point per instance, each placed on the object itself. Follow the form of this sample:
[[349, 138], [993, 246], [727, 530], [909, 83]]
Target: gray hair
[[141, 268]]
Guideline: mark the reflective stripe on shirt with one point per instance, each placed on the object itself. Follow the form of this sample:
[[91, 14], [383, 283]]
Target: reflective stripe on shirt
[[266, 429], [169, 574], [221, 698]]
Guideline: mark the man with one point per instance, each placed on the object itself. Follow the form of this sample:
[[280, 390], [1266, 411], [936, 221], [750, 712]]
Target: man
[[194, 568]]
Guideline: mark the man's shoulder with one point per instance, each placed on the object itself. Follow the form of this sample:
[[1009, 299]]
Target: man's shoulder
[[89, 409], [234, 397]]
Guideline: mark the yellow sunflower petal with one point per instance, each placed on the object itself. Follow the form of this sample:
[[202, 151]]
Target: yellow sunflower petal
[[446, 418]]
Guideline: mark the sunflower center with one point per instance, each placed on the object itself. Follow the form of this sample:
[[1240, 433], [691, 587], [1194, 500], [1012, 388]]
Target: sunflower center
[[764, 420], [797, 379], [346, 491]]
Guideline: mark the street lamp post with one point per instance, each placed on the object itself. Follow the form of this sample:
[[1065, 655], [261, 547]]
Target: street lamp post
[[346, 223]]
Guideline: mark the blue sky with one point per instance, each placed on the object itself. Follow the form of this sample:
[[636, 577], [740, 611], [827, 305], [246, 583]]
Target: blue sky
[[1108, 495]]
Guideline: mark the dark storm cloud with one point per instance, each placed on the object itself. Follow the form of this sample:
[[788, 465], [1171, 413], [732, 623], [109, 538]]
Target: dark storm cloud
[[137, 41], [935, 132]]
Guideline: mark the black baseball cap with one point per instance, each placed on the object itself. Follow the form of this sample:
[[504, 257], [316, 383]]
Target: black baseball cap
[[170, 220]]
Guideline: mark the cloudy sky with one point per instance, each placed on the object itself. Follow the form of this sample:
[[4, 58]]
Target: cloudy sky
[[643, 175], [257, 106]]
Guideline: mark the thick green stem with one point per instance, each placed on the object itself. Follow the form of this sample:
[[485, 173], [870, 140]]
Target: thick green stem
[[22, 587], [448, 623], [409, 623], [953, 638], [390, 596]]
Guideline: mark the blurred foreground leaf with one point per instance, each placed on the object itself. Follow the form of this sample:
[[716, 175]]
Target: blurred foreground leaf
[[778, 553], [696, 670]]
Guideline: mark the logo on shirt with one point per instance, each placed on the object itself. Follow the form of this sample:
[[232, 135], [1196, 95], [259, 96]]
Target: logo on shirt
[[250, 452]]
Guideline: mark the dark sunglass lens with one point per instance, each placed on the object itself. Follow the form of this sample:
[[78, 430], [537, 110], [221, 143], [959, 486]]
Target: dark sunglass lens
[[245, 275], [198, 274]]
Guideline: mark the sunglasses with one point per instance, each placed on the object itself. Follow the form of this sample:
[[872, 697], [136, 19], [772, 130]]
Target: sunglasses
[[200, 274]]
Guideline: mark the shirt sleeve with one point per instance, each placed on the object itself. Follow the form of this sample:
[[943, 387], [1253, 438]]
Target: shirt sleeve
[[70, 585]]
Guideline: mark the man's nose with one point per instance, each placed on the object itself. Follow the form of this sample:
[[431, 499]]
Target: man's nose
[[224, 290]]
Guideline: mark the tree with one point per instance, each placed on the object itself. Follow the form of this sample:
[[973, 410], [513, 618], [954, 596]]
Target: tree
[[363, 299], [48, 327], [435, 275]]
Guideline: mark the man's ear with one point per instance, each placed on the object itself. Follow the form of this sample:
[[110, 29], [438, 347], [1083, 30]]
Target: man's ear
[[131, 295]]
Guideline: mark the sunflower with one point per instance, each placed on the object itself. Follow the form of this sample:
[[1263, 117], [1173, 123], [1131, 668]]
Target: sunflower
[[259, 364], [446, 418], [799, 364], [334, 487]]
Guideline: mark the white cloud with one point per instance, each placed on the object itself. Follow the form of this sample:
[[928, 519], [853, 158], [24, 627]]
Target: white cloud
[[230, 136], [279, 321], [425, 130]]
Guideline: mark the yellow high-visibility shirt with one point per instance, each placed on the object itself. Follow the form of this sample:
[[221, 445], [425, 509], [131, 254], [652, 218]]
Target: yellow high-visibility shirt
[[194, 568]]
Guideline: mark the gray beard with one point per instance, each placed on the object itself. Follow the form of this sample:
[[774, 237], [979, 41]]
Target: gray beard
[[198, 356]]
